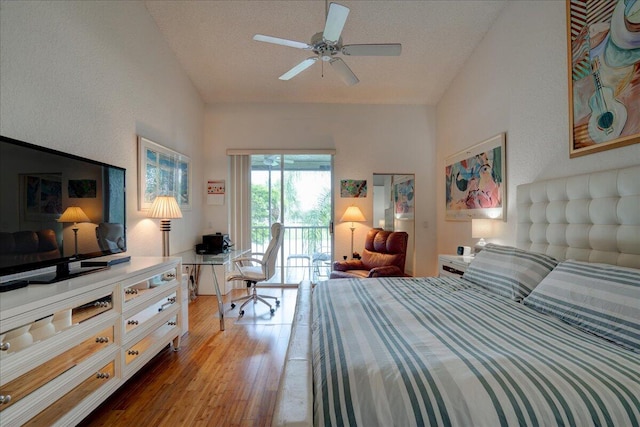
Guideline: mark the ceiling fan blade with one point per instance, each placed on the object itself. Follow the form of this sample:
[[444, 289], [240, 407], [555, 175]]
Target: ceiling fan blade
[[336, 18], [386, 49], [344, 71], [299, 68], [282, 42]]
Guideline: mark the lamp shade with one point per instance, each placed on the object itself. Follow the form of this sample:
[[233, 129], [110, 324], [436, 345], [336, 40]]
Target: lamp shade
[[481, 228], [353, 214], [74, 214], [165, 207]]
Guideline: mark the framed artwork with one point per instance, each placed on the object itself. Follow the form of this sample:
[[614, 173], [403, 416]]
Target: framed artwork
[[604, 74], [162, 171], [476, 181], [353, 188], [215, 192], [41, 196], [403, 197], [82, 188]]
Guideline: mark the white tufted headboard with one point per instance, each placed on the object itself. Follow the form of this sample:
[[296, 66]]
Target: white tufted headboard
[[593, 217]]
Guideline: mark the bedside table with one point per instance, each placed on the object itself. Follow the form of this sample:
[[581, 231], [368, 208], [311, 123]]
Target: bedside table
[[453, 265]]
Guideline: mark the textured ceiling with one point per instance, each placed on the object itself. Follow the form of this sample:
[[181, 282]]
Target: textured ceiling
[[213, 42]]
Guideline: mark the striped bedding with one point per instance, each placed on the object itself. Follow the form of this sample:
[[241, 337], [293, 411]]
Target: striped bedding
[[442, 351]]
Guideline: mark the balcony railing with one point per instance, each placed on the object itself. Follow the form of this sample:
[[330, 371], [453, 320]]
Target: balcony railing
[[307, 250]]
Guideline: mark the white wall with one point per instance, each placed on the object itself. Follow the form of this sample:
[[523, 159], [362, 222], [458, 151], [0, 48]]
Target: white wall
[[367, 139], [515, 82], [86, 78]]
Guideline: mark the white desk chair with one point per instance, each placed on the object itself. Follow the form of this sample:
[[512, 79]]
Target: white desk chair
[[253, 270]]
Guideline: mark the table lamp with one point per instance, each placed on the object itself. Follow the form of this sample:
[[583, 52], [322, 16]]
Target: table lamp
[[165, 208], [481, 228], [352, 214], [75, 215]]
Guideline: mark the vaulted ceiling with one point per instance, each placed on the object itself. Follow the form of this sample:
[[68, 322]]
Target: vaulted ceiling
[[213, 42]]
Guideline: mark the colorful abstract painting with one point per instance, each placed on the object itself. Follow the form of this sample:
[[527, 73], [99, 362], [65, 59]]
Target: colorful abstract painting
[[403, 195], [475, 181], [353, 188], [604, 74]]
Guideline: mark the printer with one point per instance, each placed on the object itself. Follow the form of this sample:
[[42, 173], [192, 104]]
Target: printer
[[214, 244]]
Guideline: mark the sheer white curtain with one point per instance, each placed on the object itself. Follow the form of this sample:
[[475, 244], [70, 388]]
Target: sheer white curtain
[[240, 200]]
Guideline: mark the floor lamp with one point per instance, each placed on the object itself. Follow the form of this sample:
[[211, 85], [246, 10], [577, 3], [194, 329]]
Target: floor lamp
[[75, 215], [165, 208], [352, 214]]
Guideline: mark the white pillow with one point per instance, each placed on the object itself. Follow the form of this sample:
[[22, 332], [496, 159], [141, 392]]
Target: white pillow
[[600, 298], [508, 271]]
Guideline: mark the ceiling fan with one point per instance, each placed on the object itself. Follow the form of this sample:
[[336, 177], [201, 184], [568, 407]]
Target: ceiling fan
[[327, 44]]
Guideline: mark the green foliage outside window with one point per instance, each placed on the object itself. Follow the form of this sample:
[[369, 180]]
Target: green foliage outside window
[[314, 220]]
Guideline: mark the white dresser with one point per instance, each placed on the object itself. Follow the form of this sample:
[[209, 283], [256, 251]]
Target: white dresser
[[453, 265], [65, 347]]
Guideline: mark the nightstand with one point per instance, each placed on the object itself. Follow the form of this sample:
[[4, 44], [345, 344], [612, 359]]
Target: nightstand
[[453, 265]]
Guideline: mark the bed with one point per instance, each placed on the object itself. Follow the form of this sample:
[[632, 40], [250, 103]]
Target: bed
[[545, 333]]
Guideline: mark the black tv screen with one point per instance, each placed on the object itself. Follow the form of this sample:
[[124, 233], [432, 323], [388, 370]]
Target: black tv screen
[[56, 208]]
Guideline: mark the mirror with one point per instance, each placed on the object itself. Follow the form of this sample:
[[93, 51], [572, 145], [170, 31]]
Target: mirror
[[394, 207]]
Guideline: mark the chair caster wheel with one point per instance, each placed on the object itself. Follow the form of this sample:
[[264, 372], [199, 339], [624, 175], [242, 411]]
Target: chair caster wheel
[[277, 303], [233, 306], [241, 313], [273, 310]]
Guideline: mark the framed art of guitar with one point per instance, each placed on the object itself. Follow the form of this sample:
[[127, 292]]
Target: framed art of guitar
[[604, 74]]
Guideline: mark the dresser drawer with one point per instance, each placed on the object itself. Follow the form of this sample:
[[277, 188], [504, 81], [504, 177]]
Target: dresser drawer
[[149, 313], [24, 385], [134, 293], [92, 383], [452, 265], [151, 343], [17, 340]]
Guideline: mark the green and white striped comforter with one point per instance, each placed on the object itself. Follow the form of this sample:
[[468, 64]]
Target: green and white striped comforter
[[441, 351]]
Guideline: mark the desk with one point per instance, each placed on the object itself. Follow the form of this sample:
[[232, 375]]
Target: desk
[[195, 261]]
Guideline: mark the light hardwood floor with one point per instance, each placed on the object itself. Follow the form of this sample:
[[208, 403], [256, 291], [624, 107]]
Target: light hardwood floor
[[217, 378]]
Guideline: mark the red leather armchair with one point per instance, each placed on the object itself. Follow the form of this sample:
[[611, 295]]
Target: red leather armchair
[[384, 254]]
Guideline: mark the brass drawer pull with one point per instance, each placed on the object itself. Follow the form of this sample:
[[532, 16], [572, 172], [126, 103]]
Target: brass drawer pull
[[133, 352], [130, 291], [102, 375], [102, 339]]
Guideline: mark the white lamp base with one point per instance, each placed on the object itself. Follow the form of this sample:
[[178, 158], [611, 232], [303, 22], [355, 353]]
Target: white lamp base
[[480, 245]]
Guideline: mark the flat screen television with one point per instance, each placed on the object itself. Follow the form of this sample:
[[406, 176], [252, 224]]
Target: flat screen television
[[56, 209]]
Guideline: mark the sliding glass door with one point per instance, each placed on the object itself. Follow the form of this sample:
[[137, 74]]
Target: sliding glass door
[[295, 190]]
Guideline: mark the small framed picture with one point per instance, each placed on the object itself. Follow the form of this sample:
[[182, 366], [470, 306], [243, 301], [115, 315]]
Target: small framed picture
[[162, 171], [353, 188]]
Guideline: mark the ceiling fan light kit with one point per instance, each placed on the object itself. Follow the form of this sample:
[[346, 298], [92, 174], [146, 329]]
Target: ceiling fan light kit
[[327, 44]]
